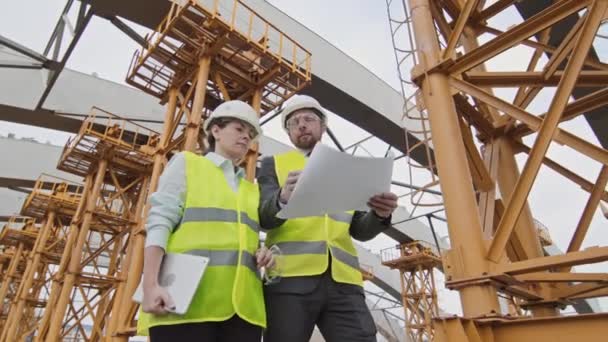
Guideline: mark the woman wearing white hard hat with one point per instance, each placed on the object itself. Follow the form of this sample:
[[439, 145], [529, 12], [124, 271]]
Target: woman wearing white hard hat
[[205, 206]]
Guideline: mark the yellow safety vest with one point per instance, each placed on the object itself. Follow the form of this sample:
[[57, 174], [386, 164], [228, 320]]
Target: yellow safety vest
[[305, 242], [223, 225]]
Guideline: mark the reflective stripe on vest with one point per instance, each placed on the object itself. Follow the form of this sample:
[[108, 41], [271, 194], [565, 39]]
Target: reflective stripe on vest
[[218, 215], [341, 217], [345, 257], [227, 258], [305, 241], [221, 224], [318, 247]]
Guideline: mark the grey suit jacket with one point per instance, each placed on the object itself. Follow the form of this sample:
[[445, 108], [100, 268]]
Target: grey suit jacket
[[364, 226]]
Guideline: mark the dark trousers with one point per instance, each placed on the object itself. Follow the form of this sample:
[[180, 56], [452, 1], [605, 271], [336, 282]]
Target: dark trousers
[[294, 307], [233, 330]]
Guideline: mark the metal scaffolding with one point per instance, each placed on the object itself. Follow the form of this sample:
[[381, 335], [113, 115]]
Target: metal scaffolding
[[207, 52], [416, 264], [115, 157], [495, 247], [17, 240], [203, 53], [52, 202]]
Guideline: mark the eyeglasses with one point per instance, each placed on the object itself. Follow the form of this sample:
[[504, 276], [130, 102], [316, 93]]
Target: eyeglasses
[[307, 119]]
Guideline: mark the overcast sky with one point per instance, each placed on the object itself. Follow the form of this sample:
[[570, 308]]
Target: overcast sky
[[360, 29]]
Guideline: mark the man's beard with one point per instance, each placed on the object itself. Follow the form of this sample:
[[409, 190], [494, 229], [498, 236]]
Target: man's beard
[[306, 144]]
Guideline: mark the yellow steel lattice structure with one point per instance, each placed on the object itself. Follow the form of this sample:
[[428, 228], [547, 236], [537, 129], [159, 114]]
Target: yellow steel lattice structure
[[92, 236], [210, 51], [19, 230], [102, 132], [247, 53], [17, 240], [201, 54], [53, 202], [495, 249], [416, 263], [115, 156], [54, 193]]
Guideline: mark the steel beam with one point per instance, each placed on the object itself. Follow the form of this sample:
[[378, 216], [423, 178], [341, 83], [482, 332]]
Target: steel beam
[[525, 95], [587, 256], [497, 79], [335, 139], [58, 27], [74, 269], [459, 198], [514, 36], [524, 243], [252, 155], [195, 116], [586, 327], [479, 172], [547, 130], [463, 18], [55, 73], [562, 277], [581, 106], [124, 309], [494, 9], [589, 211], [595, 152], [589, 62], [487, 199], [21, 66], [126, 29], [579, 289], [553, 165], [22, 50]]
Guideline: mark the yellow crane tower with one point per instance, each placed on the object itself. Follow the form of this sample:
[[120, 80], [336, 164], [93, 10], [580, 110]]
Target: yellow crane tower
[[495, 248]]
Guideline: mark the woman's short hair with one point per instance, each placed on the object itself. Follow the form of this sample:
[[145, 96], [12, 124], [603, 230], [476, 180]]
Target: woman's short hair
[[221, 123]]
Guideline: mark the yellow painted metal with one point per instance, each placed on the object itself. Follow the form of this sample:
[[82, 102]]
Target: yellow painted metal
[[589, 327], [218, 59], [103, 257], [11, 333], [115, 156], [590, 208], [496, 247], [247, 51], [74, 267], [123, 314], [459, 199], [193, 127], [10, 274], [547, 129], [252, 155], [416, 264], [52, 200], [59, 274]]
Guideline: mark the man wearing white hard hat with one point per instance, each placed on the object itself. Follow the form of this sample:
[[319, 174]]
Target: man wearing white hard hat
[[321, 280], [205, 206]]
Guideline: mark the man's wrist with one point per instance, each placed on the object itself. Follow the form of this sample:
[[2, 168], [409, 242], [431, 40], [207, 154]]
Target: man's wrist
[[384, 220], [280, 203], [378, 215]]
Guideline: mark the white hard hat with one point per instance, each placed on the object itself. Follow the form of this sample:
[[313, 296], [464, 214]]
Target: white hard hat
[[302, 102], [238, 110]]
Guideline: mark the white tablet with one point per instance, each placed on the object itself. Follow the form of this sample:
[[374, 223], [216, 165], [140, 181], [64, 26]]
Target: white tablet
[[180, 274]]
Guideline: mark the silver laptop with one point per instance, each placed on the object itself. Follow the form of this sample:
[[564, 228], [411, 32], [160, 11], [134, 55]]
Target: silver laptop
[[180, 274]]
